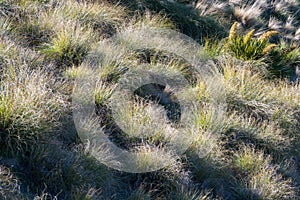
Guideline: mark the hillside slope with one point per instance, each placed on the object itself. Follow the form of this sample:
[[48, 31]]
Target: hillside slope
[[250, 150]]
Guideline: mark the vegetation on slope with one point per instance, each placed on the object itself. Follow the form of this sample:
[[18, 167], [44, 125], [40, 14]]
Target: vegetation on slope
[[251, 151]]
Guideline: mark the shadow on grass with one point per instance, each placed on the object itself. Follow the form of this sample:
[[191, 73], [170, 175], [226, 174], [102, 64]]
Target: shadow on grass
[[186, 18]]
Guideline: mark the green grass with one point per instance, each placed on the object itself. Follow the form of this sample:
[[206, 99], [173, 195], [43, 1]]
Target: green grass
[[263, 182], [68, 48], [248, 151], [28, 107]]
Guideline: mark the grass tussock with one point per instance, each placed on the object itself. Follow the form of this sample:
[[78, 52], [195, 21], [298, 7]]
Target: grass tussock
[[263, 179], [28, 107], [69, 47]]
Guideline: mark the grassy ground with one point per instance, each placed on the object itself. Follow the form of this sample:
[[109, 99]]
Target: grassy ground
[[253, 147]]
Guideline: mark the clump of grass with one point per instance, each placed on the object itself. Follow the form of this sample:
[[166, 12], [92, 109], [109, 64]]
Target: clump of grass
[[241, 80], [103, 93], [185, 194], [265, 109], [260, 15], [69, 47], [103, 18], [262, 179], [217, 9], [82, 193], [185, 17], [206, 124], [139, 194], [265, 135], [28, 107], [137, 120], [167, 179], [213, 47], [247, 14], [151, 21], [244, 82], [65, 174], [250, 161], [209, 171], [45, 196], [74, 72], [24, 24], [32, 34]]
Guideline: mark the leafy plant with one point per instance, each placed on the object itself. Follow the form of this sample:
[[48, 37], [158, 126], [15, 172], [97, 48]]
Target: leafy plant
[[284, 59], [247, 47]]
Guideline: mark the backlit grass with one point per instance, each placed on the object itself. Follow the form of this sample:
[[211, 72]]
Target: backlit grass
[[250, 150]]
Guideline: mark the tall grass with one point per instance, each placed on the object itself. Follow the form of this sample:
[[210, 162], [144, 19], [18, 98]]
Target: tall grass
[[29, 106]]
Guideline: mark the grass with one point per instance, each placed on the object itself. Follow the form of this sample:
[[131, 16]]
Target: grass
[[280, 15], [247, 150], [28, 107], [10, 187], [69, 47], [263, 181]]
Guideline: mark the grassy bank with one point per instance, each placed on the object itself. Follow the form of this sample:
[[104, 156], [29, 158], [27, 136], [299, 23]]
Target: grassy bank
[[250, 151]]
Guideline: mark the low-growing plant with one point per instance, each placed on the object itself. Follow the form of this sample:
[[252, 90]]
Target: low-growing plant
[[186, 194], [103, 18], [262, 179], [213, 47], [139, 194], [249, 151], [244, 47], [248, 48], [185, 17], [283, 60], [28, 107], [69, 47]]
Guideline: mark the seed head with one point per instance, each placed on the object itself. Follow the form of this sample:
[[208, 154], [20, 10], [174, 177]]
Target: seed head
[[232, 32], [248, 36], [269, 48], [267, 35]]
